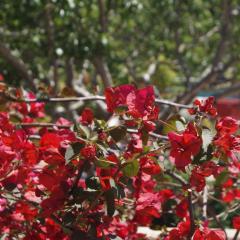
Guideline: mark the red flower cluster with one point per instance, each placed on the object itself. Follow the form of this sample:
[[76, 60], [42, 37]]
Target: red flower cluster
[[184, 146], [81, 181], [139, 102], [208, 234], [236, 222], [206, 106]]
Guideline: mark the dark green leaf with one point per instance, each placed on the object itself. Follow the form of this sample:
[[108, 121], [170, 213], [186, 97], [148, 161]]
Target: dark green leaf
[[82, 131], [131, 168], [110, 201], [93, 183], [221, 178], [73, 151], [118, 133]]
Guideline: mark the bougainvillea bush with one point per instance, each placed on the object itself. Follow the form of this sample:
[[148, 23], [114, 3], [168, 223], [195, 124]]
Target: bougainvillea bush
[[97, 179]]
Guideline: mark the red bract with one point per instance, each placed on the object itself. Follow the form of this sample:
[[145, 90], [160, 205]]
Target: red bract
[[184, 146]]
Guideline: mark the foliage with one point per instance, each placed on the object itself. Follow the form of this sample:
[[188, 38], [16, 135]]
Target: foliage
[[93, 180], [171, 44]]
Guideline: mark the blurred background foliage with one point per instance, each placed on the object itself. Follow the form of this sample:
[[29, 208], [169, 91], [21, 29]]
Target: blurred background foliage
[[92, 44]]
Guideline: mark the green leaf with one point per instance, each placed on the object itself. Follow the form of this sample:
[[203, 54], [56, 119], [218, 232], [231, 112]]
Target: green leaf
[[110, 201], [131, 169], [68, 218], [221, 178], [118, 133], [175, 123], [180, 126], [145, 137], [120, 191], [73, 151], [82, 130], [93, 183]]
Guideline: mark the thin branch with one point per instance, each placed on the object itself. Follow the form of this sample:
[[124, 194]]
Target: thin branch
[[88, 98], [51, 43], [216, 219], [178, 44], [236, 235], [78, 177], [53, 125], [176, 177], [216, 67], [102, 15], [205, 200], [103, 70], [69, 72], [234, 89], [18, 64]]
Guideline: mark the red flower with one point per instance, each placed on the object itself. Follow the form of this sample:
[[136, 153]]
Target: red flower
[[33, 110], [116, 97], [236, 222], [89, 152], [228, 196], [208, 234], [228, 144], [206, 106], [148, 166], [228, 183], [198, 235], [165, 194], [182, 209], [184, 146], [140, 102], [148, 206], [227, 125], [180, 232], [50, 140], [86, 117], [29, 212]]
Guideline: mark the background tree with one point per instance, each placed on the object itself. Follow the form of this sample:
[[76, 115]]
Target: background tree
[[182, 47]]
